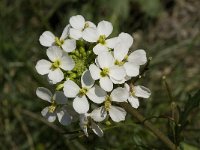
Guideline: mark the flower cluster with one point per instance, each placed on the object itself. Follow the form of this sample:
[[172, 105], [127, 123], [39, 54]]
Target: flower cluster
[[90, 72]]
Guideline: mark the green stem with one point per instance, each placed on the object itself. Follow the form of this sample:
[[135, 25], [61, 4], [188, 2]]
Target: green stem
[[132, 111]]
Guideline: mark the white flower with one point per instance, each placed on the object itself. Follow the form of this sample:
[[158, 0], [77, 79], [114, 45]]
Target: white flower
[[48, 39], [99, 35], [58, 60], [78, 25], [135, 92], [105, 70], [50, 112], [116, 113], [85, 123], [93, 92], [132, 62]]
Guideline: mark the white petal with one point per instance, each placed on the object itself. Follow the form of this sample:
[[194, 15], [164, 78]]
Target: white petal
[[43, 66], [96, 94], [75, 33], [98, 114], [71, 89], [125, 39], [67, 63], [77, 22], [81, 105], [134, 101], [119, 95], [96, 129], [91, 24], [120, 52], [127, 77], [141, 91], [138, 57], [111, 43], [117, 114], [117, 72], [105, 60], [99, 48], [44, 94], [90, 35], [63, 117], [54, 53], [51, 117], [132, 69], [65, 32], [60, 98], [95, 72], [118, 81], [106, 84], [56, 76], [127, 87], [47, 39], [86, 79], [104, 28], [69, 45]]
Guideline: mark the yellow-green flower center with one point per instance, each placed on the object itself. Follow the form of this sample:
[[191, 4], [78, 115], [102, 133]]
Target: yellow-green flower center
[[119, 63], [55, 65], [107, 103], [104, 72], [86, 25], [58, 41], [52, 108], [102, 39], [83, 91]]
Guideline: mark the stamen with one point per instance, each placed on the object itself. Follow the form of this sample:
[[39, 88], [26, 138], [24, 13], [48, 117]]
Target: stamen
[[52, 108], [102, 39], [83, 91], [55, 65], [119, 63], [104, 72], [86, 25]]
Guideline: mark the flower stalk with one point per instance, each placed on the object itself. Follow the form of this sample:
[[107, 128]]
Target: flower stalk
[[133, 112]]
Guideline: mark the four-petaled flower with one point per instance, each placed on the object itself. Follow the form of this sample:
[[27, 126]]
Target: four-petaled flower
[[135, 92], [99, 35], [116, 113], [132, 62], [93, 92], [106, 71], [50, 112], [48, 39], [78, 25], [59, 61]]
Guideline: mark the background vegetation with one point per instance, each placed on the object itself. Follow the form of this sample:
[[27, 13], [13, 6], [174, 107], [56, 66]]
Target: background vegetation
[[167, 29]]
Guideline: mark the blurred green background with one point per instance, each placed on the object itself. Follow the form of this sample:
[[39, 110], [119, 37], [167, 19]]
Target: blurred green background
[[169, 31]]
